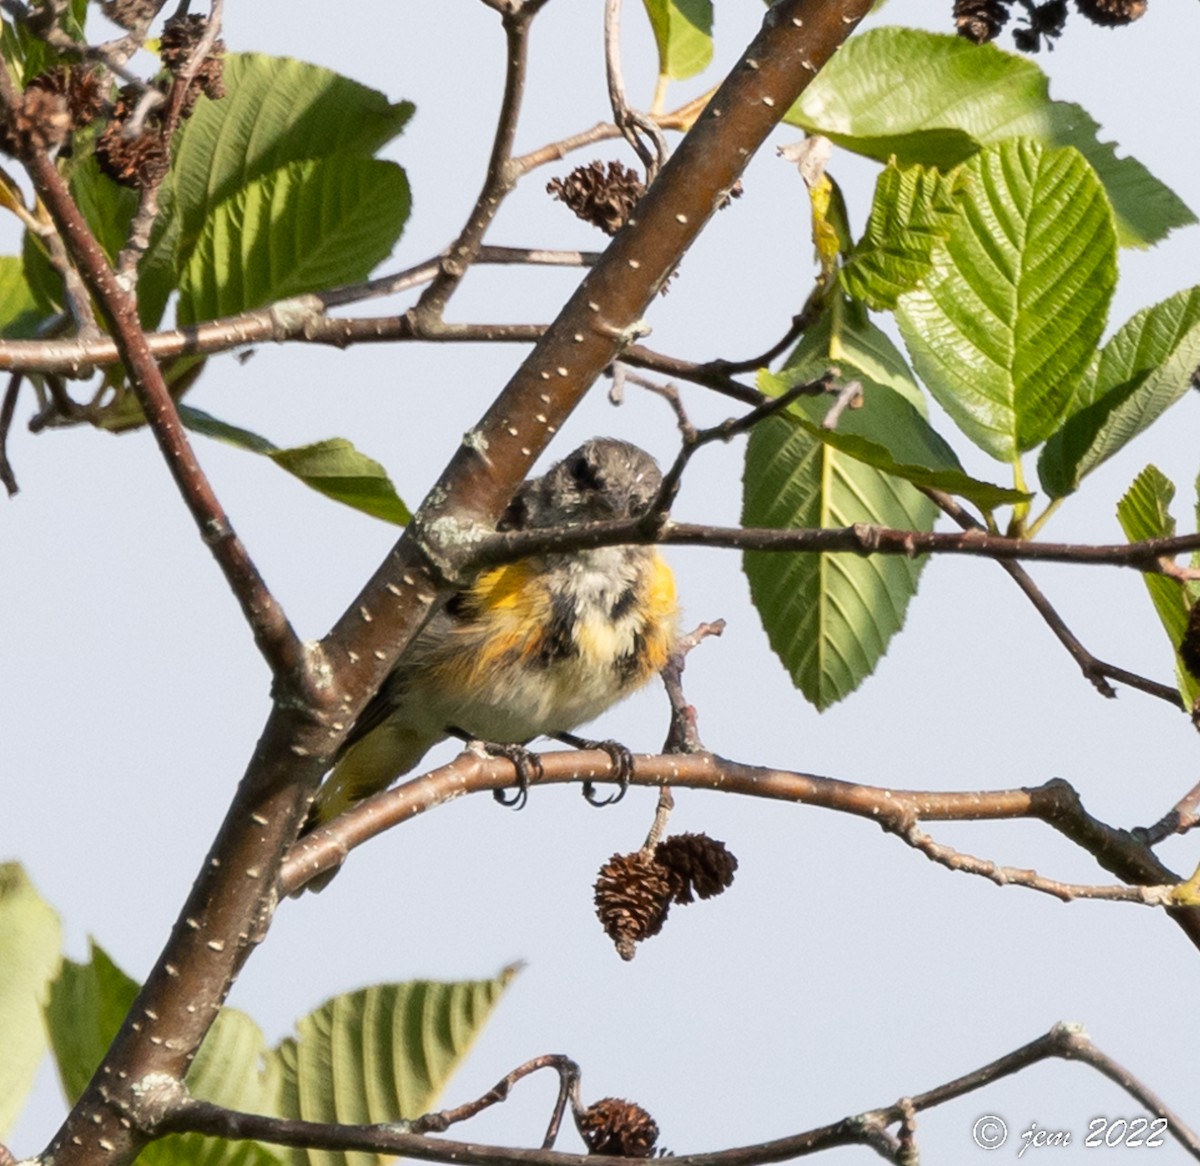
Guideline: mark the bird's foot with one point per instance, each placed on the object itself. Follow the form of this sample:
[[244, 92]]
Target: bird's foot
[[622, 760]]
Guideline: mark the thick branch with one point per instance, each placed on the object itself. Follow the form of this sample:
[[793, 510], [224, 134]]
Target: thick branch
[[202, 1117]]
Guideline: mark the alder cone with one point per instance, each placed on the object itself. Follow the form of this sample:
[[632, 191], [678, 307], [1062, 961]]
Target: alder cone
[[1112, 13], [980, 20], [632, 895], [603, 198], [698, 866], [621, 1128]]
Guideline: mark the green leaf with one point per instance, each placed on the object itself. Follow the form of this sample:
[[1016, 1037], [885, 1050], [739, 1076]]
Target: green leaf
[[277, 111], [339, 471], [381, 1054], [913, 210], [86, 1006], [829, 618], [333, 467], [1139, 374], [1007, 321], [304, 227], [198, 421], [30, 947], [29, 53], [888, 432], [26, 54], [1144, 512], [683, 34], [959, 97], [20, 313]]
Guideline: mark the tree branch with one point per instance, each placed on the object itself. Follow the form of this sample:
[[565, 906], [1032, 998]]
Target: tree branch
[[1056, 803], [860, 539], [1063, 1041], [7, 409], [1094, 670], [500, 179], [299, 319]]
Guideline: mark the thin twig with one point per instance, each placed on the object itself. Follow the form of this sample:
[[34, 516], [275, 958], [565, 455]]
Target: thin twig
[[624, 116], [707, 375], [849, 396], [1094, 670], [622, 376], [662, 815], [683, 736], [695, 439], [1179, 819], [298, 319], [500, 178], [568, 1083], [1009, 876], [7, 409], [800, 322], [1064, 1041], [1068, 1042], [604, 131], [79, 302]]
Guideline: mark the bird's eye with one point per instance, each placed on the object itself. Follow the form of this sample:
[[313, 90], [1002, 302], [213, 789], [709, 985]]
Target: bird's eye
[[584, 473]]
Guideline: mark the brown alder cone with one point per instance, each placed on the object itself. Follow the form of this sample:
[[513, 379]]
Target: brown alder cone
[[134, 15], [1112, 13], [633, 895], [980, 20], [138, 162], [180, 36], [41, 118], [622, 1128], [697, 866], [603, 198]]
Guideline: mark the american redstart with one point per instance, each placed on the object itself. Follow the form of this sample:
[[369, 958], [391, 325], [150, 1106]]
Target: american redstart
[[532, 648]]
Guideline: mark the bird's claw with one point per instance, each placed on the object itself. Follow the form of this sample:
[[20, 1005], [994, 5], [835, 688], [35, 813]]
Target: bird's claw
[[528, 767], [622, 762]]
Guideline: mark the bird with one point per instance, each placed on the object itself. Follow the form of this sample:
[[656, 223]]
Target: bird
[[530, 648]]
